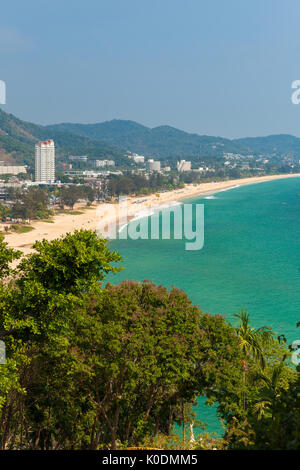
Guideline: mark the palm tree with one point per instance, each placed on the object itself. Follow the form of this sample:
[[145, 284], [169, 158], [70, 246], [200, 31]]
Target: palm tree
[[252, 344], [271, 393]]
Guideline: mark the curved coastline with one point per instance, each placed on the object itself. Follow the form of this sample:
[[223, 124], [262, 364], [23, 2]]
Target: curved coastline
[[99, 216]]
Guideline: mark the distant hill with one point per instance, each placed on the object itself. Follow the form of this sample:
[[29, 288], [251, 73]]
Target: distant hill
[[111, 139], [281, 144], [161, 142], [17, 139], [168, 142]]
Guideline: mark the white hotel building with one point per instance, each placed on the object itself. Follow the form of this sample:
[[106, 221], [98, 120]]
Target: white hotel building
[[45, 162], [184, 166]]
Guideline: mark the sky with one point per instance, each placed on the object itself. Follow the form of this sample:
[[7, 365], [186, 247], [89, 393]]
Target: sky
[[215, 67]]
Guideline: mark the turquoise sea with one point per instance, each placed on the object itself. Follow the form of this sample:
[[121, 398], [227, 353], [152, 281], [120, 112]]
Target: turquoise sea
[[250, 259]]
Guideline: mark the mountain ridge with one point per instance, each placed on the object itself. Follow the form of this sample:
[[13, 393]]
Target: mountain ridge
[[161, 141], [165, 141], [111, 139]]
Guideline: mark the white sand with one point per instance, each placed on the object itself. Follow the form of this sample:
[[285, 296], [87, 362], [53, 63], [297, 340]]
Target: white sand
[[98, 216]]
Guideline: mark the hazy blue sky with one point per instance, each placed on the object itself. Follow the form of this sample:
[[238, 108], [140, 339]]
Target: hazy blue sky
[[218, 67]]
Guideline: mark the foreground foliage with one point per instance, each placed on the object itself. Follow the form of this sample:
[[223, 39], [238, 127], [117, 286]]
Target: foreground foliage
[[93, 367]]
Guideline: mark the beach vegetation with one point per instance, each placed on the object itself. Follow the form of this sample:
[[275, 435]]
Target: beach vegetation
[[19, 228], [30, 204], [95, 366]]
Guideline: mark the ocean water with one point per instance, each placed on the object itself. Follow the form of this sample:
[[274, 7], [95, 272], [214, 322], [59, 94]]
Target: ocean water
[[250, 260]]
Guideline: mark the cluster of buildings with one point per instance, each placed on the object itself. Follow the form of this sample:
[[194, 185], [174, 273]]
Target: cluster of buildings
[[91, 173], [45, 164], [137, 158], [236, 156], [246, 162], [96, 163], [155, 165]]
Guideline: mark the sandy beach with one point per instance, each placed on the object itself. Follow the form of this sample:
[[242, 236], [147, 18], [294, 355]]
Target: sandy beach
[[97, 217]]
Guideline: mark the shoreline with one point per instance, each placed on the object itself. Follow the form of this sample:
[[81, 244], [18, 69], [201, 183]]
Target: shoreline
[[97, 217]]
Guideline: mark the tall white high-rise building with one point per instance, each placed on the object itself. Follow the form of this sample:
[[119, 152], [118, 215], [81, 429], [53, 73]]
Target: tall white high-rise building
[[45, 162]]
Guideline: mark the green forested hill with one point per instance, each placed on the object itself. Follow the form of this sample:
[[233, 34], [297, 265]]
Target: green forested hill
[[168, 142], [280, 144], [161, 142], [111, 139], [17, 139]]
